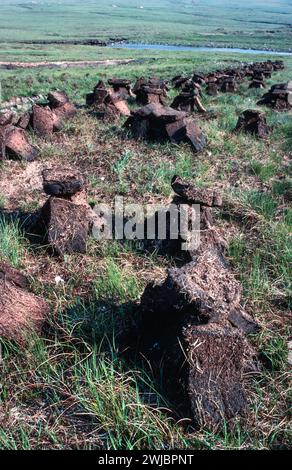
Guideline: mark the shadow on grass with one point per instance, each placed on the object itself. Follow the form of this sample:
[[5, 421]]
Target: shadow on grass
[[116, 331]]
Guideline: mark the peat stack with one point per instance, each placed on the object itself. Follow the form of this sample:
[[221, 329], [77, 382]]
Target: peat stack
[[253, 122], [187, 101], [149, 95], [21, 311], [161, 123], [199, 78], [61, 105], [212, 88], [109, 105], [278, 65], [229, 85], [178, 81], [45, 120], [279, 97], [14, 143], [64, 222], [151, 91], [195, 323], [121, 86], [97, 97], [257, 84]]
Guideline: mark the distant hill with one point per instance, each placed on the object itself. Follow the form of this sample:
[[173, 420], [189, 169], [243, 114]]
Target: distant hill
[[258, 23]]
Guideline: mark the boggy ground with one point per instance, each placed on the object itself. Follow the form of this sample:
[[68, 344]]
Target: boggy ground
[[167, 21], [71, 388]]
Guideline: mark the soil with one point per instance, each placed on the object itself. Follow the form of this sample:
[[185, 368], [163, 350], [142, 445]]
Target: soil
[[63, 64]]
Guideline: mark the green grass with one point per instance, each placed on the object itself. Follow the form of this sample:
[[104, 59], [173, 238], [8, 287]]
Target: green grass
[[79, 81], [11, 242], [265, 265], [71, 388], [115, 407], [116, 285], [263, 171], [208, 22], [2, 201], [262, 203]]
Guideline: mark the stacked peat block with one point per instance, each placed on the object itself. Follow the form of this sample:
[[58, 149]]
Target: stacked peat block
[[45, 120], [258, 76], [64, 222], [13, 140], [195, 322], [229, 85], [256, 83], [199, 78], [110, 105], [150, 91], [226, 80], [98, 95], [212, 85], [253, 122], [160, 123], [279, 97], [60, 104], [189, 98], [121, 87], [278, 65], [178, 81], [21, 311]]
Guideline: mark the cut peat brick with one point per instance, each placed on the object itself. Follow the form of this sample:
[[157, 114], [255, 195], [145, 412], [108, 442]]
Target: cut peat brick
[[215, 374], [57, 99], [253, 122], [44, 121], [194, 322], [162, 123], [62, 182], [194, 195], [67, 111], [14, 144], [66, 226], [21, 312]]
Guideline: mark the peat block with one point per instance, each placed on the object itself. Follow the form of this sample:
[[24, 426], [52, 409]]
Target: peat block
[[215, 374], [229, 86], [194, 322], [24, 120], [212, 89], [21, 311], [253, 122], [257, 84], [6, 118], [186, 101], [66, 226], [279, 97], [194, 195], [57, 99], [44, 121], [62, 182], [205, 289], [157, 122], [14, 144], [66, 111], [179, 80], [121, 86]]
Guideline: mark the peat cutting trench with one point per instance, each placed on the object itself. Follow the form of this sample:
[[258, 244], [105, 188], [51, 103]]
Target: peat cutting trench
[[66, 64]]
